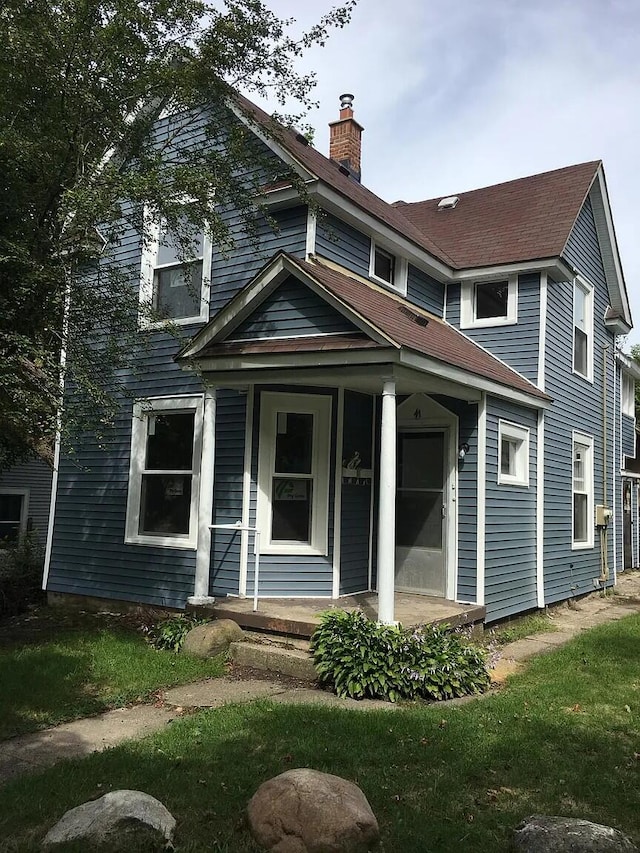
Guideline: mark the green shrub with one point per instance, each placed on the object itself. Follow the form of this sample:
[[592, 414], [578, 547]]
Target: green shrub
[[21, 566], [360, 658], [169, 634]]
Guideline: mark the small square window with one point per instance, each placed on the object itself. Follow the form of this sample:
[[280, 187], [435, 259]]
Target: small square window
[[513, 454], [388, 268], [489, 303], [13, 516]]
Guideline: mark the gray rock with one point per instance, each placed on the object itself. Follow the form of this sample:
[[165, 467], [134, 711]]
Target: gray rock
[[214, 638], [305, 811], [115, 814], [544, 834]]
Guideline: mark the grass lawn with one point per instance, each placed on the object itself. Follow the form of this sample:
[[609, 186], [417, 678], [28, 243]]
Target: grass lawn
[[56, 668], [562, 738]]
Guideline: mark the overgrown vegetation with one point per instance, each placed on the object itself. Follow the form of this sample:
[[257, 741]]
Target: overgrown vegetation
[[561, 738], [20, 575], [169, 634], [519, 628], [360, 658]]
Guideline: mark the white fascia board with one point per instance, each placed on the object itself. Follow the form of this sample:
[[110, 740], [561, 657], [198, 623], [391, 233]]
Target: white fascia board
[[603, 217], [289, 360], [240, 307], [255, 293], [464, 377], [555, 267], [629, 365], [334, 202]]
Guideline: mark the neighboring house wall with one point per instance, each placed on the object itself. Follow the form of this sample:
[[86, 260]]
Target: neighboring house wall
[[510, 520], [516, 344], [33, 480], [627, 437], [578, 405]]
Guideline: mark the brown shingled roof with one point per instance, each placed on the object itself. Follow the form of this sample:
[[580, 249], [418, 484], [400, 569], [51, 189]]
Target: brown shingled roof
[[329, 173], [404, 324], [526, 219]]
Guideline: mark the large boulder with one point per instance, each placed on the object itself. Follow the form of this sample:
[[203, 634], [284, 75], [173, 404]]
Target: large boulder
[[116, 814], [544, 834], [305, 811], [214, 638]]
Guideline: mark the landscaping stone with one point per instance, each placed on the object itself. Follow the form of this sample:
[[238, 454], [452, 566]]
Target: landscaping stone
[[214, 638], [305, 811], [118, 813], [544, 834]]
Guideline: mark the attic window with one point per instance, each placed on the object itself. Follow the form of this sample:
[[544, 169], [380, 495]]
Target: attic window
[[387, 268], [489, 303], [448, 203]]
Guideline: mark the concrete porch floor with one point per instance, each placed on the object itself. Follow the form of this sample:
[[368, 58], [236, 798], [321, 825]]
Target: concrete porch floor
[[300, 616]]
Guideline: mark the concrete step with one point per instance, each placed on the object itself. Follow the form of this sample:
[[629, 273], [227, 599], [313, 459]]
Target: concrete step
[[296, 663]]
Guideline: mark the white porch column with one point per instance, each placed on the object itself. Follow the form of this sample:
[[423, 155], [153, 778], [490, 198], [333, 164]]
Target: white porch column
[[387, 507], [205, 504]]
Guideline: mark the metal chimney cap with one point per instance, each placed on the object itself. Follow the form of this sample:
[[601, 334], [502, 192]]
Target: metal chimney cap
[[346, 101]]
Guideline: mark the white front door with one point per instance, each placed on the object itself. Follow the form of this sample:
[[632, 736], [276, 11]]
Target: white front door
[[421, 511]]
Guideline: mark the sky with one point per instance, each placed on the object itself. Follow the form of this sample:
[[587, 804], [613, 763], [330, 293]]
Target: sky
[[460, 94]]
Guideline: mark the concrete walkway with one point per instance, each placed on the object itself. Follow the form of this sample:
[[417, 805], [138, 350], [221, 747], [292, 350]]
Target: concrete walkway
[[32, 752]]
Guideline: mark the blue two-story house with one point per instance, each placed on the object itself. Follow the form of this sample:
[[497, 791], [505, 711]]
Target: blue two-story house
[[420, 397]]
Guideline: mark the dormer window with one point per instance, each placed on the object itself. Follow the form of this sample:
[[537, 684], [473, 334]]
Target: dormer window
[[387, 268], [489, 303]]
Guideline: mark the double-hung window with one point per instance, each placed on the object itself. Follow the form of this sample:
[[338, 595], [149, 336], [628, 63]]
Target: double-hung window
[[628, 395], [175, 276], [582, 329], [513, 454], [293, 473], [582, 491], [165, 472], [489, 303]]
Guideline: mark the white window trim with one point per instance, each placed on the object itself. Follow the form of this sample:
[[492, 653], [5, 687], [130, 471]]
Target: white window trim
[[141, 410], [587, 441], [148, 266], [24, 509], [468, 318], [320, 407], [400, 268], [628, 394], [587, 289], [515, 432]]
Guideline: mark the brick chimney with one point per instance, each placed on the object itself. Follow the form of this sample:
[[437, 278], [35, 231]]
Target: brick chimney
[[344, 138]]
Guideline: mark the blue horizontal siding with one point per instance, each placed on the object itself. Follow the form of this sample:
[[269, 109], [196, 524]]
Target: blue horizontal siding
[[628, 436], [356, 499], [510, 521], [343, 244], [577, 405], [425, 291], [224, 575], [292, 310], [517, 344]]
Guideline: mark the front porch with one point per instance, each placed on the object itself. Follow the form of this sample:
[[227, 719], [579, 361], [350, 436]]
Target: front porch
[[300, 617]]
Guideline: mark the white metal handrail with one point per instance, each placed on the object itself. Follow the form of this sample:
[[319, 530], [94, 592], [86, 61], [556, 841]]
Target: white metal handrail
[[239, 526]]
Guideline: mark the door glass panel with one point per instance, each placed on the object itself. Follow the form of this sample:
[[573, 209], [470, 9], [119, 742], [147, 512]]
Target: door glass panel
[[421, 460], [419, 519], [294, 435], [291, 503]]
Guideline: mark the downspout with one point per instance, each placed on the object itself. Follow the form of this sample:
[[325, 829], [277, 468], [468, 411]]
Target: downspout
[[604, 545]]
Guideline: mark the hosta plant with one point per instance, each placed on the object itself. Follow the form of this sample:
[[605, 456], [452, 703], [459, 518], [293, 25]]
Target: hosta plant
[[361, 658]]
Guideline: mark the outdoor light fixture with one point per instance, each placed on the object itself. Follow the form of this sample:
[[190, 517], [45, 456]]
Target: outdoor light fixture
[[463, 450]]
